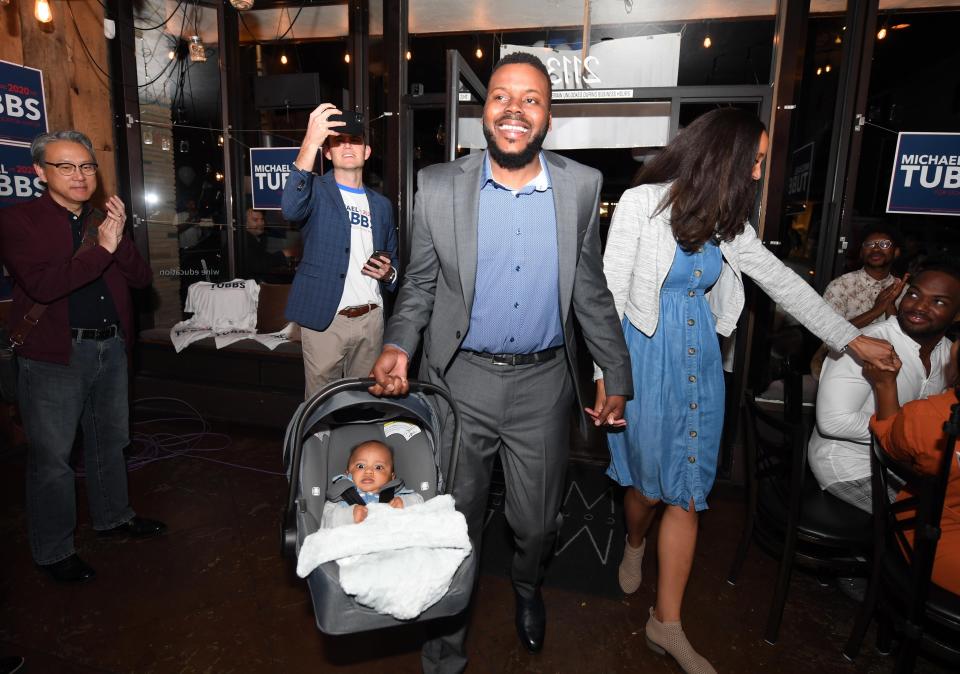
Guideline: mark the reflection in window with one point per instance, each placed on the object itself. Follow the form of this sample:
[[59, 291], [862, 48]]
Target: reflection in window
[[182, 143]]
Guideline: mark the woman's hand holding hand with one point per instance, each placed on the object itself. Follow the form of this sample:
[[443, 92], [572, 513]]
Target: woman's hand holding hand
[[607, 409], [877, 352]]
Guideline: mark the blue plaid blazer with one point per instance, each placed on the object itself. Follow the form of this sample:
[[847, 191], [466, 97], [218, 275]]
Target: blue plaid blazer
[[315, 202]]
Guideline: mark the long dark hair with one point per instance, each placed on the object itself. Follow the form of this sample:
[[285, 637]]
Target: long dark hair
[[710, 163]]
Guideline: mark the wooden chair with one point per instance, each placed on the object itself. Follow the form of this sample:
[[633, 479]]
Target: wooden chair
[[787, 512], [900, 592]]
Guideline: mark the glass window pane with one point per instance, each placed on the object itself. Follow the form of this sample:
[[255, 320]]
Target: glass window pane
[[292, 60], [179, 92]]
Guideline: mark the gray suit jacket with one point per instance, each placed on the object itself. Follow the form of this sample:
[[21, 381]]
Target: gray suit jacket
[[438, 287]]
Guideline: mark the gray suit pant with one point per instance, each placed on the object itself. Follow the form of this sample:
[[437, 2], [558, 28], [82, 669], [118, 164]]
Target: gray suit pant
[[521, 413]]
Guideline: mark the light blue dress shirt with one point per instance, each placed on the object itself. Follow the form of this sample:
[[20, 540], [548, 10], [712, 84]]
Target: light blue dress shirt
[[516, 304]]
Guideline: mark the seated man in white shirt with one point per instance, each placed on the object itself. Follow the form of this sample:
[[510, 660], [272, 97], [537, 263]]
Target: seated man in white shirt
[[839, 449]]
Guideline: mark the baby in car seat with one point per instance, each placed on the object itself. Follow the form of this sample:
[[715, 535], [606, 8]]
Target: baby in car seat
[[370, 478]]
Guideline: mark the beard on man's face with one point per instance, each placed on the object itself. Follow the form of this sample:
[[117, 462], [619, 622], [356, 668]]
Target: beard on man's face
[[514, 160]]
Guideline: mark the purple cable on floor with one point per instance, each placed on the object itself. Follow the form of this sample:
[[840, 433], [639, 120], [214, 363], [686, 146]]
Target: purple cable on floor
[[148, 447]]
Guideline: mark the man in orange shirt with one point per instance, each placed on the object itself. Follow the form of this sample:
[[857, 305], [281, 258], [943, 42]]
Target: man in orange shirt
[[914, 434]]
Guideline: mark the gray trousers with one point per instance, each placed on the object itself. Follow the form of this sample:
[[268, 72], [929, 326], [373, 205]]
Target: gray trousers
[[522, 414]]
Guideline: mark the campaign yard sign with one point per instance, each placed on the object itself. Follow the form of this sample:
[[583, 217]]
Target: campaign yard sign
[[18, 181], [23, 114], [926, 174], [269, 168]]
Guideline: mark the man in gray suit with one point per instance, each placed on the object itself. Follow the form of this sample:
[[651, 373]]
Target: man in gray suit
[[504, 245]]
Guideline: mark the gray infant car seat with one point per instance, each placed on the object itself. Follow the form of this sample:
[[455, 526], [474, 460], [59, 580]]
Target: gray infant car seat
[[317, 445]]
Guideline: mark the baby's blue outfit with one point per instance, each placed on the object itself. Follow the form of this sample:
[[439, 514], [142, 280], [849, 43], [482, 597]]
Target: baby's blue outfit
[[669, 448], [368, 497]]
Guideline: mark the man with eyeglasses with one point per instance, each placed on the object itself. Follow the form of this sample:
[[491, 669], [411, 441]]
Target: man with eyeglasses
[[73, 269], [869, 294]]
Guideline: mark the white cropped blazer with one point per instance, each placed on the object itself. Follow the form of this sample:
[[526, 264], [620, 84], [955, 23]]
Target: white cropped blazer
[[639, 253]]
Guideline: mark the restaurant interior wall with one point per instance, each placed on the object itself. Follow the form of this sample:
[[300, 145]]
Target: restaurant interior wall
[[72, 53]]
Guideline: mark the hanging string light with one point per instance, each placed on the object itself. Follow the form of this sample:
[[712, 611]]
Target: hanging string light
[[41, 10], [346, 57], [707, 42], [198, 53], [408, 55], [283, 58]]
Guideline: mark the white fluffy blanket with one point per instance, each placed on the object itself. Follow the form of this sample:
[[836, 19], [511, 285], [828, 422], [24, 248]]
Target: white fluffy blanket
[[397, 562]]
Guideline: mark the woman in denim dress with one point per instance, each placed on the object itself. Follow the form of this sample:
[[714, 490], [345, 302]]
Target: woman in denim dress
[[678, 245]]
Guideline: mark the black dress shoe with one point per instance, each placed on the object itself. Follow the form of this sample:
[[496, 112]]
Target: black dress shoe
[[70, 570], [531, 621], [138, 527]]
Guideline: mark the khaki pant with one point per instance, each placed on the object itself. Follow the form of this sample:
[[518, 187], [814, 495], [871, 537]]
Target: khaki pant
[[347, 348]]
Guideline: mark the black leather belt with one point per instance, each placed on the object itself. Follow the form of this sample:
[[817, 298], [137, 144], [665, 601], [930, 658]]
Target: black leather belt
[[95, 333], [520, 358]]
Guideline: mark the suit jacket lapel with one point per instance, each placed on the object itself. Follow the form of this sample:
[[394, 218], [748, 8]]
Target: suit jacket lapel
[[333, 192], [565, 203], [466, 211]]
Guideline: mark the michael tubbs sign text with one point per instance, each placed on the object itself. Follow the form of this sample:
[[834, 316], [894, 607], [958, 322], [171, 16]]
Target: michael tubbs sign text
[[926, 174]]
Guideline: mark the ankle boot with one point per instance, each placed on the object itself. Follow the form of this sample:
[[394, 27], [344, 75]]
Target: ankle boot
[[669, 638], [630, 572]]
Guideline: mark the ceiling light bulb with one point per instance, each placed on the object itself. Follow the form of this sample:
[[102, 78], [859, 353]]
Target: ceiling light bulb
[[882, 33], [283, 59], [346, 58], [819, 71], [241, 5], [827, 68], [41, 10], [408, 55], [707, 42], [479, 53]]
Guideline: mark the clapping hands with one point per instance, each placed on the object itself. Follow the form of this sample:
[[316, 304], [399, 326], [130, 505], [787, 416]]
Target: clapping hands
[[110, 231]]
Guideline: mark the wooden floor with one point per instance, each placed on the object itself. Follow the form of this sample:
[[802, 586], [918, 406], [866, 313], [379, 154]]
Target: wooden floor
[[213, 595]]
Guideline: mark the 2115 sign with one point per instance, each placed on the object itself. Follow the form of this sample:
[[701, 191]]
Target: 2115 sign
[[572, 72]]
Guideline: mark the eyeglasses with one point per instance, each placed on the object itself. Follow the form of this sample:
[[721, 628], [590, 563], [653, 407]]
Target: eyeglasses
[[67, 169], [882, 244]]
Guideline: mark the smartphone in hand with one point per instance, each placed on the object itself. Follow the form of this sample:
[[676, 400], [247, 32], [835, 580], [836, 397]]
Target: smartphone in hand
[[375, 258]]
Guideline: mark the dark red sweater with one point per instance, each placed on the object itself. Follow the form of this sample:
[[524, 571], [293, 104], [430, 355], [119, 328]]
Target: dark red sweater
[[36, 246]]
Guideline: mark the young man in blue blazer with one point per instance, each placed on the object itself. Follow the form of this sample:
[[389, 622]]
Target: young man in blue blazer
[[349, 251]]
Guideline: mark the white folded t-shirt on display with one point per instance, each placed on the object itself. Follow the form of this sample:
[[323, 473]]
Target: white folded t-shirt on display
[[224, 307]]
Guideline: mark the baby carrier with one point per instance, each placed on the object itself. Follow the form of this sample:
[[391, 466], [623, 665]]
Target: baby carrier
[[316, 448]]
